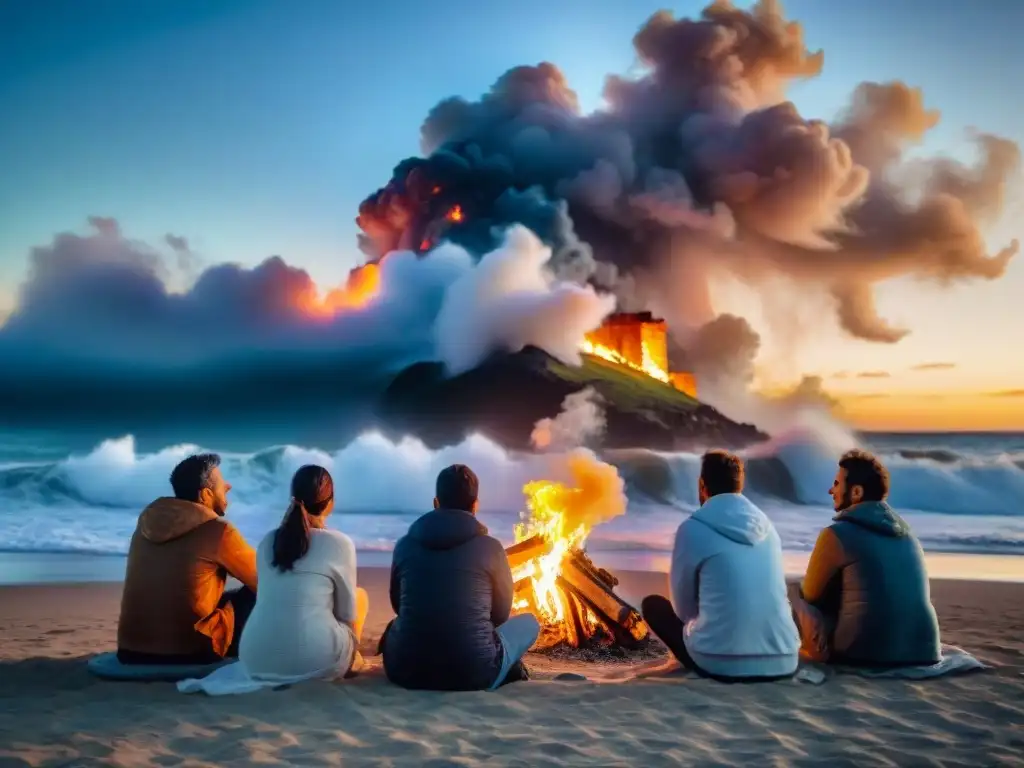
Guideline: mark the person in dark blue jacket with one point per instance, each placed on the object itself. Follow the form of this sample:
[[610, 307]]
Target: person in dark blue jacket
[[865, 599], [451, 590]]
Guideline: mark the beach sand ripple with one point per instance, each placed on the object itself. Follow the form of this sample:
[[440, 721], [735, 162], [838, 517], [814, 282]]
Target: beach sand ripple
[[52, 713]]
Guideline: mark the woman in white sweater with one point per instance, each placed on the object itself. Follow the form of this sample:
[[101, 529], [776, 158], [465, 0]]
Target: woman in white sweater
[[309, 614]]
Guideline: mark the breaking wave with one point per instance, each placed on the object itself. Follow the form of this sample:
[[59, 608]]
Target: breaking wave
[[971, 501]]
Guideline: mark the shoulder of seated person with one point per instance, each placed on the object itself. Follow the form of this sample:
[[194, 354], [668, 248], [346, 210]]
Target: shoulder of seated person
[[223, 526], [339, 538], [494, 541]]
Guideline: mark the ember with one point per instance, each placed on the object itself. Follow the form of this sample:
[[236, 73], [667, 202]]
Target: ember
[[554, 579]]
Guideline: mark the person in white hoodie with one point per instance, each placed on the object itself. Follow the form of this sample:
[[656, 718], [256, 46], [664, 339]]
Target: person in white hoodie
[[730, 617]]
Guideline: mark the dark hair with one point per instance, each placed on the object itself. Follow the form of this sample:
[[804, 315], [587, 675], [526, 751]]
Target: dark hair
[[722, 472], [863, 469], [192, 475], [457, 487], [312, 493]]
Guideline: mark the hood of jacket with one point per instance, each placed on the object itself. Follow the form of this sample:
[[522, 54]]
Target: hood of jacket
[[446, 529], [876, 516], [168, 518], [734, 516]]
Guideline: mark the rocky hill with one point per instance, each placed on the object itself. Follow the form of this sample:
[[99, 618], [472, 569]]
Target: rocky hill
[[505, 396]]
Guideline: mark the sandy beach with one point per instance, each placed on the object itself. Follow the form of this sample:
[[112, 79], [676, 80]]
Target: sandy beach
[[53, 713]]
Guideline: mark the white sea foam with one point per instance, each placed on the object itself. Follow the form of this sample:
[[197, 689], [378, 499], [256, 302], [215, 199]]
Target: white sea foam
[[89, 502]]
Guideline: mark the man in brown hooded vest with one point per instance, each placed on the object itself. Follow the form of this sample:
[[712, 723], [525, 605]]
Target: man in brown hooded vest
[[174, 608]]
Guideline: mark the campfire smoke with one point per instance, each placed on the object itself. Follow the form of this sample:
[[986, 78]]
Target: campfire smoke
[[581, 418]]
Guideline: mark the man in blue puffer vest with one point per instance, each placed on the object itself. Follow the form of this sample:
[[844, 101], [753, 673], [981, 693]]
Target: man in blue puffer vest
[[730, 617], [451, 590], [865, 599]]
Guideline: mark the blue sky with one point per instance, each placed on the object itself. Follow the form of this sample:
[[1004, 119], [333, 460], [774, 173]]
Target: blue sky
[[255, 127]]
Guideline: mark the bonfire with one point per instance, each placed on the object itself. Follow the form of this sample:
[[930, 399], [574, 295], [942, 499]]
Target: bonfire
[[554, 578]]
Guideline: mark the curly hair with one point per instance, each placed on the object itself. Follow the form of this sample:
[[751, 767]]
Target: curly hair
[[864, 469]]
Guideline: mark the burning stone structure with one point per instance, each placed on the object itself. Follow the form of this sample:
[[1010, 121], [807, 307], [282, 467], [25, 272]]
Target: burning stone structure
[[639, 341]]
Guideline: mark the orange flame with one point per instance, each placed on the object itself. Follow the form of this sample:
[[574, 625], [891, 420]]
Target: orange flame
[[645, 365], [455, 214], [548, 503], [361, 288], [564, 516]]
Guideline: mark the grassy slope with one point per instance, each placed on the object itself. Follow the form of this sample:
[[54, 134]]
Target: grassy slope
[[629, 390], [506, 395]]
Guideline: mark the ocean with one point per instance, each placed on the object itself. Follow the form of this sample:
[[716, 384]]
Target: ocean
[[78, 495]]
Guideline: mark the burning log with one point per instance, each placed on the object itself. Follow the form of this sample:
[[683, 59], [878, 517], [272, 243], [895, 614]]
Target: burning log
[[588, 584], [585, 595], [526, 550], [579, 627]]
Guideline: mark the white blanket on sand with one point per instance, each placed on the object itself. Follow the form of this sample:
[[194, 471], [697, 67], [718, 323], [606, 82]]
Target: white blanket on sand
[[235, 678]]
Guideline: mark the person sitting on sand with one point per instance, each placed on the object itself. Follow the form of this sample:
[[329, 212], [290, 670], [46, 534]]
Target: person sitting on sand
[[309, 614], [451, 590], [865, 599], [174, 609], [729, 618]]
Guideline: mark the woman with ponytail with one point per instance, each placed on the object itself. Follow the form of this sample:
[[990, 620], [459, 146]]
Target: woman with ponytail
[[309, 614]]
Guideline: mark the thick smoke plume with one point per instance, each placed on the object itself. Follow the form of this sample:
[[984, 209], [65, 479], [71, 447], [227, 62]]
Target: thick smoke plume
[[105, 316], [701, 167], [511, 300], [103, 297], [581, 418]]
